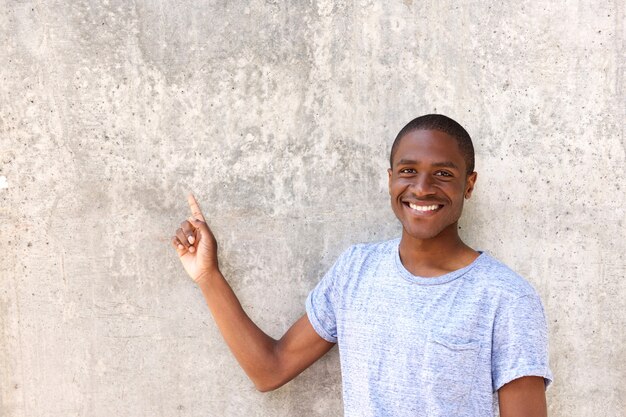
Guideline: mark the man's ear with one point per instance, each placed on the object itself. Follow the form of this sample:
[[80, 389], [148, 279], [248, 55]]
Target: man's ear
[[469, 184], [389, 180]]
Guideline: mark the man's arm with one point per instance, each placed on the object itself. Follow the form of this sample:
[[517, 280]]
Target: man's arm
[[523, 397], [268, 362]]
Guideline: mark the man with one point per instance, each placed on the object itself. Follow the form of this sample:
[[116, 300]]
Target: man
[[425, 325]]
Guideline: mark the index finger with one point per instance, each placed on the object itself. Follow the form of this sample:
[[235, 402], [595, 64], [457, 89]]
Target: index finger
[[195, 208]]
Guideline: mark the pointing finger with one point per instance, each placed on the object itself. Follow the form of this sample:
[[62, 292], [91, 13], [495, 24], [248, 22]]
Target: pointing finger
[[195, 208]]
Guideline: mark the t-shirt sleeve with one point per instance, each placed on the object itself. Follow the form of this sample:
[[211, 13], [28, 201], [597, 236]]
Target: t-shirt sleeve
[[322, 302], [520, 342]]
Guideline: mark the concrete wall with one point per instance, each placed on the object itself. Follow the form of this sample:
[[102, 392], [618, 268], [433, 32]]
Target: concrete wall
[[279, 115]]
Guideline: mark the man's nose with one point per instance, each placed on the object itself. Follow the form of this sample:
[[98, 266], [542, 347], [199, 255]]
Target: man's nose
[[422, 185]]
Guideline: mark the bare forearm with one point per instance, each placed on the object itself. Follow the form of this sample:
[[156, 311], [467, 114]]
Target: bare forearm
[[254, 350]]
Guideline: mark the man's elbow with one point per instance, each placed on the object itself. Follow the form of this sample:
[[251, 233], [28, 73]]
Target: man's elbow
[[268, 385], [272, 375], [271, 379], [264, 388]]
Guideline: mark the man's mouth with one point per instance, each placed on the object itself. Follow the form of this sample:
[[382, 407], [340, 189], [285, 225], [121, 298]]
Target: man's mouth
[[423, 208]]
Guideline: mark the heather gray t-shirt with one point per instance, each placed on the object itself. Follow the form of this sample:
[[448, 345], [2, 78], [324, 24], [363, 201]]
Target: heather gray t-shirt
[[414, 346]]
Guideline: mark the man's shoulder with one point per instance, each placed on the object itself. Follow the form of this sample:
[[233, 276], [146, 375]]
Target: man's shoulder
[[362, 256], [361, 251], [498, 276], [383, 246]]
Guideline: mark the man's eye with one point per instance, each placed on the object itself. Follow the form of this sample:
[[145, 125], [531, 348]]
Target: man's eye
[[443, 174], [407, 171]]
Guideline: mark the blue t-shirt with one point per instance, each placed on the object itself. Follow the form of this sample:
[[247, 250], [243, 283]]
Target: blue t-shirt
[[414, 346]]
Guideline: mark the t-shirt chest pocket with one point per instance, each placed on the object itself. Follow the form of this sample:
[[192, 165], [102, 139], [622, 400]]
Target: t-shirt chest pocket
[[448, 372]]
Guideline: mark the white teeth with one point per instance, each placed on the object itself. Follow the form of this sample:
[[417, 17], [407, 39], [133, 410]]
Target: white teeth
[[423, 208]]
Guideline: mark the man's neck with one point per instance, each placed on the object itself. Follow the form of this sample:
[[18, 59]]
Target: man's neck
[[437, 256]]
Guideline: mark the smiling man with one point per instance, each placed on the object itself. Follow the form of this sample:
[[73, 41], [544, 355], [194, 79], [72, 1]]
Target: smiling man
[[425, 325]]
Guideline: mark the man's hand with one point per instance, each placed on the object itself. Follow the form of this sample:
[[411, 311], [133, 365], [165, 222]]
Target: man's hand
[[195, 244]]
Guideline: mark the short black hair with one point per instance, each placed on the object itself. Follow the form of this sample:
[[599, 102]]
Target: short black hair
[[444, 124]]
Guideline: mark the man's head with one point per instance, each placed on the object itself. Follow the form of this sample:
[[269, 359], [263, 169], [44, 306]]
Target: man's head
[[431, 173], [440, 123]]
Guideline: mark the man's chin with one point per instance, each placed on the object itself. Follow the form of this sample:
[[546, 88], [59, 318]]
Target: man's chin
[[422, 235], [429, 233]]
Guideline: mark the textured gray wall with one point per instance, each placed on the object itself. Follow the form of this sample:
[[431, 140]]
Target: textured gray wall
[[279, 116]]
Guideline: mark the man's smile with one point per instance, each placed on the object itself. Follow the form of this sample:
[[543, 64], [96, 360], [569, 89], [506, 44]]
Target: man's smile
[[423, 208]]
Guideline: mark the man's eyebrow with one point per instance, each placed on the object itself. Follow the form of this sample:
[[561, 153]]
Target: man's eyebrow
[[445, 164], [442, 164]]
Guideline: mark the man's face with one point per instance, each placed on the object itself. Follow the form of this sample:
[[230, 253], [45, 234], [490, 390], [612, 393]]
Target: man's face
[[428, 182]]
